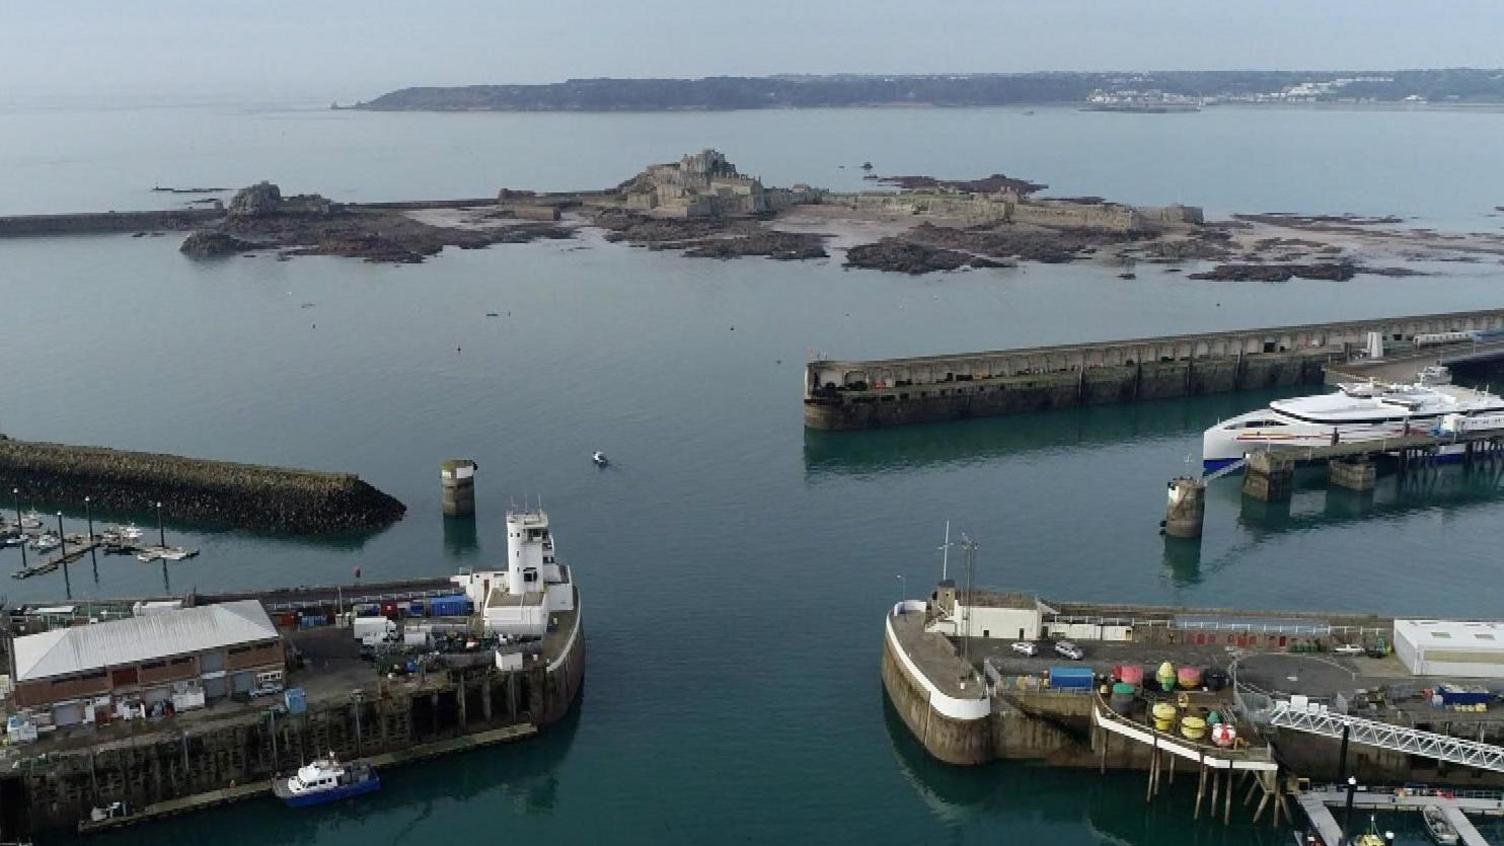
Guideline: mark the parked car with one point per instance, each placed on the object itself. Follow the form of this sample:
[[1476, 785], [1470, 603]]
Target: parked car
[[1027, 648], [1347, 649], [1069, 650]]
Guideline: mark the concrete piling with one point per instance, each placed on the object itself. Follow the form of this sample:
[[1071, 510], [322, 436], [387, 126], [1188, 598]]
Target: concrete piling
[[1358, 474], [458, 478], [1185, 513], [1268, 477]]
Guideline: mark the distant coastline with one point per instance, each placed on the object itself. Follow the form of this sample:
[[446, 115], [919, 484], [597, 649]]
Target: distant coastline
[[1463, 86]]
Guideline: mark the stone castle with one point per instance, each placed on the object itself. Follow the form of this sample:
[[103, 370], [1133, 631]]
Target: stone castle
[[705, 184]]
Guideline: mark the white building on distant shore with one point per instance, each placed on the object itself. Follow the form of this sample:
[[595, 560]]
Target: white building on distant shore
[[519, 599]]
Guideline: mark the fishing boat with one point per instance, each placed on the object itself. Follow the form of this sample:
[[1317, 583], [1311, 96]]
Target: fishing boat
[[1358, 412], [326, 780], [599, 458], [1438, 826]]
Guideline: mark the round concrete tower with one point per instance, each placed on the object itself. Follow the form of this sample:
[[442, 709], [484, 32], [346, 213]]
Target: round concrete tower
[[458, 478]]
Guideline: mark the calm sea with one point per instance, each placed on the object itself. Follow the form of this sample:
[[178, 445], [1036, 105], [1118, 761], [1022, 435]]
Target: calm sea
[[735, 569]]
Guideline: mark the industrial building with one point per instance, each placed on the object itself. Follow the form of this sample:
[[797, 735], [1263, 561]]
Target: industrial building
[[1451, 648], [125, 668]]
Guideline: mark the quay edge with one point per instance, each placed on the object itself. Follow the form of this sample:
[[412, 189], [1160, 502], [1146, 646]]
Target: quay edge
[[855, 395], [1006, 712]]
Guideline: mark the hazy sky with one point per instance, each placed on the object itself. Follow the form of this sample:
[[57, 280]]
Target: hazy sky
[[355, 49]]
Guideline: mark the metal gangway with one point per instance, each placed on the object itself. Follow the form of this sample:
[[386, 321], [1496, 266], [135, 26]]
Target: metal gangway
[[1439, 747]]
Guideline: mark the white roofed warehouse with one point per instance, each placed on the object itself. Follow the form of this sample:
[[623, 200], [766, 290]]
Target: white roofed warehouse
[[85, 673], [1451, 648]]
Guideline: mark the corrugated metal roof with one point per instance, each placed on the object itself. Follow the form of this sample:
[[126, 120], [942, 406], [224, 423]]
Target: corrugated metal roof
[[1454, 635], [78, 649]]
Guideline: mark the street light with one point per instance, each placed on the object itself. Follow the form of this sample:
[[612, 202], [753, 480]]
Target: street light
[[62, 545], [161, 532], [902, 590]]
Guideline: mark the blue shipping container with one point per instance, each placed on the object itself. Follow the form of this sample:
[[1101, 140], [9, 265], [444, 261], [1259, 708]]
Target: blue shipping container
[[297, 703], [449, 606], [1454, 695], [1072, 678]]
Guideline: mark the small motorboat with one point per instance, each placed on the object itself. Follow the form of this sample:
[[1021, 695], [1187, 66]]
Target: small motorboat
[[326, 780], [123, 533], [31, 520], [1371, 837], [1438, 826], [46, 541], [599, 458]]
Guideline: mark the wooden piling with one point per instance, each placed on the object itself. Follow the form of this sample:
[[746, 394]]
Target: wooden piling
[[1200, 788]]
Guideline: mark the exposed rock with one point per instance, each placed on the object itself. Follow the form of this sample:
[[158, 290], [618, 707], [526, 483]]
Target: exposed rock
[[1049, 246], [1391, 271], [259, 200], [212, 243], [1317, 222], [896, 254], [784, 246], [1278, 272], [986, 185]]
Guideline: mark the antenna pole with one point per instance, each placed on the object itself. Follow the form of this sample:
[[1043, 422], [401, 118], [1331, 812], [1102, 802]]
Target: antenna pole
[[971, 548], [945, 553]]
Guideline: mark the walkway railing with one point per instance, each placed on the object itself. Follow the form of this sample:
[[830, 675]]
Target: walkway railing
[[1439, 747]]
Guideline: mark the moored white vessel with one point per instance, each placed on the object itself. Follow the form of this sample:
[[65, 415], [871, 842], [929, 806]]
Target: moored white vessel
[[1358, 412]]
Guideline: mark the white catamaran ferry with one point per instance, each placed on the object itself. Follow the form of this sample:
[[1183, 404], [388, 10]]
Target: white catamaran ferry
[[1356, 413]]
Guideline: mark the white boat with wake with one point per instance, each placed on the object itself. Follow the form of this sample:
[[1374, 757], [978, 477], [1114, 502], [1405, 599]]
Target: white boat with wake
[[1357, 413]]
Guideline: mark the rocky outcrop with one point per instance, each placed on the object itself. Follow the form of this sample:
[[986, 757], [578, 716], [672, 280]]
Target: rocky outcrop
[[1278, 272], [902, 256], [784, 246], [260, 200], [213, 493], [212, 243]]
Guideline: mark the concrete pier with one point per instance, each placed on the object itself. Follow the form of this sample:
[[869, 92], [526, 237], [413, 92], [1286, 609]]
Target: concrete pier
[[1355, 474], [458, 478], [1185, 512], [1269, 476], [848, 395]]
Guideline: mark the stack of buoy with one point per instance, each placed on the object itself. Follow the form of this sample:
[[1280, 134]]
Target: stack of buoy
[[1164, 716], [1131, 674], [1166, 677], [1223, 734], [1122, 696], [1189, 677], [1193, 728]]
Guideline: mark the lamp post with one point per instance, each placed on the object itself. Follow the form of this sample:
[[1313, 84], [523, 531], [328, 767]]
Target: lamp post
[[62, 545], [1347, 815], [161, 531], [902, 591], [93, 546], [17, 493]]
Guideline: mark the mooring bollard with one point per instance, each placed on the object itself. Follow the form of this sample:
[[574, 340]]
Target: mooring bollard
[[1186, 510], [458, 478]]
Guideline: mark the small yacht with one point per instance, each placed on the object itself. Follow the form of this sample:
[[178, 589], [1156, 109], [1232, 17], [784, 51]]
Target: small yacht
[[1438, 826], [600, 458], [31, 520], [46, 541], [128, 532], [326, 780], [1358, 412]]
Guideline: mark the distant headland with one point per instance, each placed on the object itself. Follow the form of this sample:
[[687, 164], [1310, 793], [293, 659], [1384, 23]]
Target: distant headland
[[1107, 91]]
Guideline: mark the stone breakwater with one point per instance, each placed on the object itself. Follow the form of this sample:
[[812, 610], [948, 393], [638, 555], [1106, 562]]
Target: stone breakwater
[[244, 496]]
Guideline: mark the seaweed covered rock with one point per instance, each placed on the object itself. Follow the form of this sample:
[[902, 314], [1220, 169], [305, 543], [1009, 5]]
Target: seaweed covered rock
[[212, 243]]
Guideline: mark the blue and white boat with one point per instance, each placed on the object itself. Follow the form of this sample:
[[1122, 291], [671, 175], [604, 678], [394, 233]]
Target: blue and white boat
[[326, 780], [1359, 412]]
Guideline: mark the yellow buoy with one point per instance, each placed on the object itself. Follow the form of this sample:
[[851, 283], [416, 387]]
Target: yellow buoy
[[1164, 716], [1194, 728]]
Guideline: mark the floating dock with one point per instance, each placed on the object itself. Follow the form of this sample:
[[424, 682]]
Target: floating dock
[[850, 395]]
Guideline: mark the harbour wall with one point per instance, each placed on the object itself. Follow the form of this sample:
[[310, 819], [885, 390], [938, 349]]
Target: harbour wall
[[216, 492], [97, 222], [954, 730], [849, 395], [184, 757]]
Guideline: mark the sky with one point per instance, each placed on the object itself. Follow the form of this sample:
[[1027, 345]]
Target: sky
[[356, 50]]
